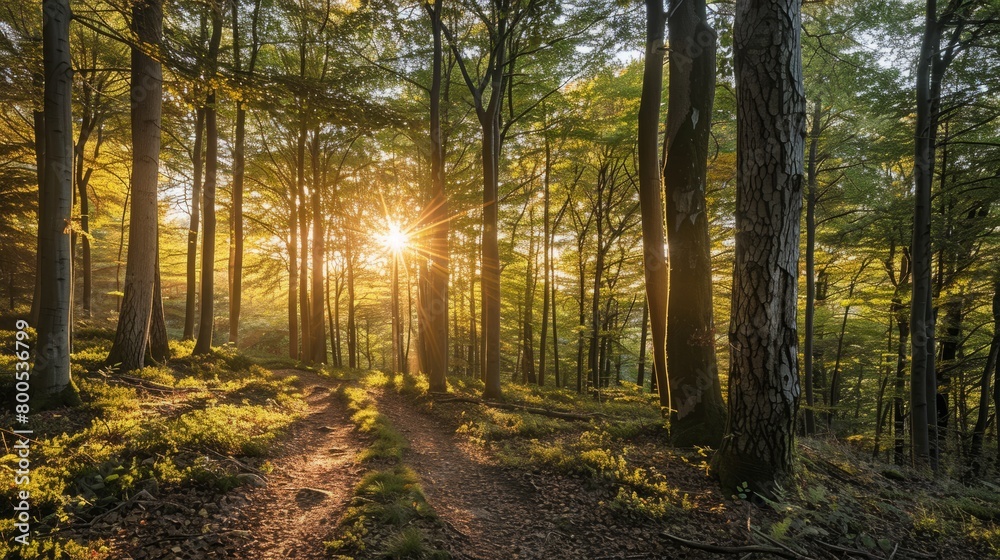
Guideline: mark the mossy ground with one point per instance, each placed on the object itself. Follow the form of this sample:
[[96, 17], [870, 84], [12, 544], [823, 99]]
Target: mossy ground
[[180, 429]]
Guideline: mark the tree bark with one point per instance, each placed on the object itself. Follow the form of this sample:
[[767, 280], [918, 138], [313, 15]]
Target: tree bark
[[763, 381], [38, 122], [650, 189], [191, 304], [436, 334], [318, 343], [51, 372], [159, 347], [293, 276], [546, 259], [807, 351], [206, 324], [983, 416], [305, 309], [132, 334], [923, 385], [352, 334], [640, 376], [697, 410]]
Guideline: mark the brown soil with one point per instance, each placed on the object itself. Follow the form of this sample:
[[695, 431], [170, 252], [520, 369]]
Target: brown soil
[[291, 517]]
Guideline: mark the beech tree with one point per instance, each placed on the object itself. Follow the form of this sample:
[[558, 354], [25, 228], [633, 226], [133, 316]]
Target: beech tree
[[51, 372], [206, 323], [654, 257], [697, 409], [132, 335]]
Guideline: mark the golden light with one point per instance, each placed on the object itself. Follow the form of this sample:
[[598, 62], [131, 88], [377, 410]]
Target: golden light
[[395, 239]]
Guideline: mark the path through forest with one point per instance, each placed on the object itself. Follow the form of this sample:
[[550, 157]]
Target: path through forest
[[487, 512], [312, 482]]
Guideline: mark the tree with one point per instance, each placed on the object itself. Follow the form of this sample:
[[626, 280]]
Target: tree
[[239, 164], [206, 323], [191, 305], [697, 410], [436, 333], [132, 334], [654, 256], [51, 372], [763, 378]]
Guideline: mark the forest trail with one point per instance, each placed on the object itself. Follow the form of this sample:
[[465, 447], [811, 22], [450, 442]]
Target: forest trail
[[493, 513], [489, 514], [311, 484]]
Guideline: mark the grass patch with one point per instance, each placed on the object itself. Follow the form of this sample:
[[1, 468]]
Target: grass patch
[[389, 516], [88, 459]]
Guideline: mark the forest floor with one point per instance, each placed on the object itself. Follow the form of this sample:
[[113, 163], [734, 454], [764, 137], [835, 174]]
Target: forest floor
[[220, 458]]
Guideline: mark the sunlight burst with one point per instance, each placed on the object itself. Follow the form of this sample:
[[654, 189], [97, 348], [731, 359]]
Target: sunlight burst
[[395, 239]]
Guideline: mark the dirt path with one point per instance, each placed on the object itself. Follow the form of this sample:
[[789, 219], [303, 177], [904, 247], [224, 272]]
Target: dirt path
[[491, 516], [313, 478], [494, 513]]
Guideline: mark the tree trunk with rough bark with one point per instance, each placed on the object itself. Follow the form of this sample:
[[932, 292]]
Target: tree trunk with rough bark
[[132, 334], [758, 447]]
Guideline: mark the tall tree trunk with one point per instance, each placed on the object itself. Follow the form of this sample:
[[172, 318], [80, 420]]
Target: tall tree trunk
[[650, 189], [763, 380], [983, 416], [239, 170], [527, 333], [835, 377], [546, 258], [305, 309], [490, 286], [352, 334], [191, 309], [132, 334], [697, 410], [898, 412], [293, 276], [923, 385], [38, 121], [582, 313], [436, 334], [239, 164], [206, 323], [807, 351], [398, 353], [555, 334], [640, 376], [51, 369], [82, 179], [318, 343], [473, 342]]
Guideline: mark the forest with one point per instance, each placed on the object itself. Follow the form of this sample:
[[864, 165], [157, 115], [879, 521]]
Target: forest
[[500, 279]]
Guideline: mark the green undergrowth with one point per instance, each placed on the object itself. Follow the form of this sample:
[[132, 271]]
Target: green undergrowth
[[157, 429], [839, 497], [388, 516]]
